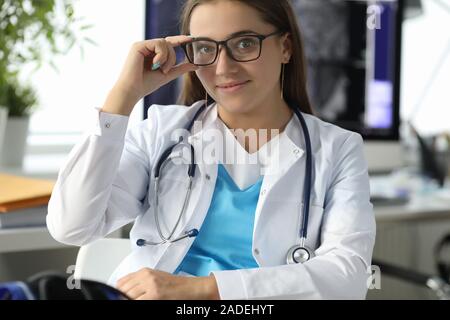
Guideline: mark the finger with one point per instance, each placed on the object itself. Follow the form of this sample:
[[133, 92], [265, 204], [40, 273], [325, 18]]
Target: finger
[[125, 279], [157, 49], [181, 69], [127, 285], [176, 41], [145, 296], [162, 53], [171, 61], [136, 292]]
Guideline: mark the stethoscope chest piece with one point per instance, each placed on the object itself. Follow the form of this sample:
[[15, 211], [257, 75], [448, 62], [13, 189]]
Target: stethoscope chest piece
[[299, 254]]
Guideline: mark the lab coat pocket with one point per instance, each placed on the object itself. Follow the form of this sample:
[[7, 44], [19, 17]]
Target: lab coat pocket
[[279, 229]]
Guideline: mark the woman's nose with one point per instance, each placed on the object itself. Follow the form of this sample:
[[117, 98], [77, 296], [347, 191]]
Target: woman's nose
[[225, 64]]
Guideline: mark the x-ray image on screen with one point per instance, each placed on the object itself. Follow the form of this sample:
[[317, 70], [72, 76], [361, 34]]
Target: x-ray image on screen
[[324, 28], [351, 67]]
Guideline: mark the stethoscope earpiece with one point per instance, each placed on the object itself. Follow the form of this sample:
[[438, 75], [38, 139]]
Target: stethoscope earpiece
[[192, 233], [188, 234], [140, 242]]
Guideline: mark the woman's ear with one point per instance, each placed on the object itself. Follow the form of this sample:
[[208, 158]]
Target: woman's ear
[[286, 44]]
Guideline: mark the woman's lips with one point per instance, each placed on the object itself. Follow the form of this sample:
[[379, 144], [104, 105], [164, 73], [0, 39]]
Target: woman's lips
[[232, 88]]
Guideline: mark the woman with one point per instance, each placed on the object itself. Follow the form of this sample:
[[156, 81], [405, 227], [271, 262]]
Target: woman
[[247, 213]]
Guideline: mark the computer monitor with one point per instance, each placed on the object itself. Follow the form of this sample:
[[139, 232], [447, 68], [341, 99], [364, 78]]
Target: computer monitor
[[352, 48]]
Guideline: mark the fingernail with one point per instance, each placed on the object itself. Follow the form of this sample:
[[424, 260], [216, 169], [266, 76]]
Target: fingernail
[[156, 66]]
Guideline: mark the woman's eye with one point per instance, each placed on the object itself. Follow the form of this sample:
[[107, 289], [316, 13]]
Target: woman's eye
[[246, 43], [205, 49]]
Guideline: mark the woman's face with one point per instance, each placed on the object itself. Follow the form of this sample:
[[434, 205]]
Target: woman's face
[[218, 21]]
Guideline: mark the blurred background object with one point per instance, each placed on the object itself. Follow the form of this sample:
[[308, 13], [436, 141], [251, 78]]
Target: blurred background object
[[413, 8], [30, 32], [3, 118]]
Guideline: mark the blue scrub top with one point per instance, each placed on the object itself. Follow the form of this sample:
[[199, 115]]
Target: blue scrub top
[[224, 241]]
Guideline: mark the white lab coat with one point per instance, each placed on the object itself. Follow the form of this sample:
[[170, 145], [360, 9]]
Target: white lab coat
[[106, 183]]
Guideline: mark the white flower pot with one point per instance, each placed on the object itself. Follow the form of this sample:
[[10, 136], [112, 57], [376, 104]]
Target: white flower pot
[[3, 119], [15, 141]]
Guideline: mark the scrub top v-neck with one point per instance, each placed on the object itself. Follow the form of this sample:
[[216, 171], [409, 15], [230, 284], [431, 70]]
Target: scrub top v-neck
[[224, 241]]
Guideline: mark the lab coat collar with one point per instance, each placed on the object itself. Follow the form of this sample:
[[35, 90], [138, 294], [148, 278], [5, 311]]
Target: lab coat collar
[[285, 149], [205, 122], [276, 157]]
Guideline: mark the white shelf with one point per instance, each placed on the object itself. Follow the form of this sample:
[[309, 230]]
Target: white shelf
[[44, 166], [409, 213]]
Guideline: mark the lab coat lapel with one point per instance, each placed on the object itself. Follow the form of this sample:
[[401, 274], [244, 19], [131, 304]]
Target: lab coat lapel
[[277, 186], [290, 153]]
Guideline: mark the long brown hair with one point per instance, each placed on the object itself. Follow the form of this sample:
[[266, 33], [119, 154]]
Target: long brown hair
[[278, 13]]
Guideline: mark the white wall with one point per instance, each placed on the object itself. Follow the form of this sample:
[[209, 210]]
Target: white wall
[[426, 40], [67, 98]]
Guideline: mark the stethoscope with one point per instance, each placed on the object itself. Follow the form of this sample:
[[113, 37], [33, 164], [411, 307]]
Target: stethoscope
[[297, 254]]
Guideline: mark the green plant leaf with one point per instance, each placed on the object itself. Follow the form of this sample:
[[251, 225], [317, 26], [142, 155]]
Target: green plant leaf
[[30, 32], [89, 40], [86, 27]]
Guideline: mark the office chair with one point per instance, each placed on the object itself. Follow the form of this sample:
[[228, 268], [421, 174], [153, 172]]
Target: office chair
[[439, 284], [97, 260]]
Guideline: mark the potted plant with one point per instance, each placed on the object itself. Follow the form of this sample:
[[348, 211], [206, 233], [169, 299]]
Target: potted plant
[[20, 101], [31, 33], [3, 117]]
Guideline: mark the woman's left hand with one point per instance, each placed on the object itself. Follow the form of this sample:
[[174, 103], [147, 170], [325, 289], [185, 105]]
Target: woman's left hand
[[150, 284]]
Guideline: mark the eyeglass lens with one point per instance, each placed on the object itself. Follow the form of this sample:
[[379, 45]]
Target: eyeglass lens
[[243, 48]]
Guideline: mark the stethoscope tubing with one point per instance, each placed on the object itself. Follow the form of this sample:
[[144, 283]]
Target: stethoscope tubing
[[191, 173]]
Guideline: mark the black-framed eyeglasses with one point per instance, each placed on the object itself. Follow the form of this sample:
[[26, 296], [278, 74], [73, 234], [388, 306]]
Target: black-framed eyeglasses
[[242, 48]]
